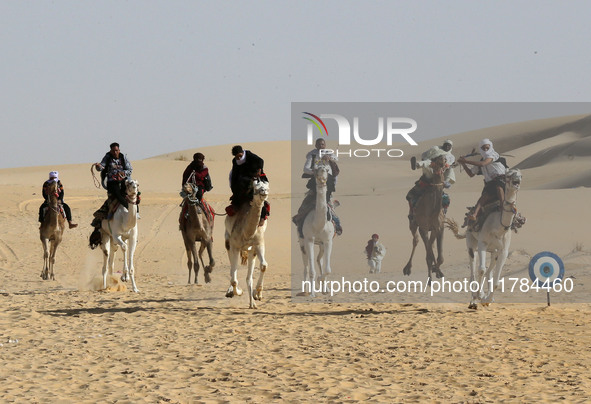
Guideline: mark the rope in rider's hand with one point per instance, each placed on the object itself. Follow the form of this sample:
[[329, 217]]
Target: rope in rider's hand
[[96, 181]]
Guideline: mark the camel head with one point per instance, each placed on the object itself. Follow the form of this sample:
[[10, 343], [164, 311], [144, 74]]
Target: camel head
[[439, 165], [131, 187], [261, 189], [513, 179], [189, 189], [321, 173], [53, 191]]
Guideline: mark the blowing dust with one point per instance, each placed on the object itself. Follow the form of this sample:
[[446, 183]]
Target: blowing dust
[[91, 277]]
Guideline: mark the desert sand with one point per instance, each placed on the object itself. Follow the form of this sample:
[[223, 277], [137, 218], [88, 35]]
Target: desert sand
[[66, 341]]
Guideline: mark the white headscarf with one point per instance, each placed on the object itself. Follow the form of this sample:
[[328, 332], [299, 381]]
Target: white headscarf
[[433, 153], [53, 176], [490, 153]]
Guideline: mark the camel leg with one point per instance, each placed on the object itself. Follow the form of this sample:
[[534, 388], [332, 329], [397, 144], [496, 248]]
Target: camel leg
[[52, 251], [132, 241], [119, 240], [488, 279], [107, 258], [495, 274], [475, 295], [501, 263], [502, 257], [192, 263], [415, 241], [260, 251], [234, 256], [250, 270], [125, 274], [112, 252], [481, 266], [428, 241], [438, 272], [45, 271], [309, 246], [321, 267], [326, 270], [209, 268], [305, 262], [432, 240]]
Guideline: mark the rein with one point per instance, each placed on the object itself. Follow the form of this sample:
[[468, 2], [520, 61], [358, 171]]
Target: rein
[[96, 181], [512, 208], [133, 200]]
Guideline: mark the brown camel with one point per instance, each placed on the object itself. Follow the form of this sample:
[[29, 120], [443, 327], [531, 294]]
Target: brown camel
[[196, 227], [51, 231], [428, 219]]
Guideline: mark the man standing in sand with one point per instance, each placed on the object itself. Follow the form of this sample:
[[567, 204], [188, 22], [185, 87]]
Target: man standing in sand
[[54, 177], [375, 252], [494, 175]]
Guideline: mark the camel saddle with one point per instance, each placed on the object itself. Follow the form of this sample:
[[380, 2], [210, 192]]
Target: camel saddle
[[60, 208], [205, 207]]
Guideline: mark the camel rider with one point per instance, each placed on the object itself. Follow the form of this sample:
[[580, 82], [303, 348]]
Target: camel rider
[[246, 166], [117, 169], [426, 164], [449, 175], [197, 173], [54, 177], [494, 175], [313, 158], [375, 252]]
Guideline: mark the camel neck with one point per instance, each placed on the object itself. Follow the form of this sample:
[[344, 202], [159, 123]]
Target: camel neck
[[508, 209], [131, 214], [253, 217], [321, 206]]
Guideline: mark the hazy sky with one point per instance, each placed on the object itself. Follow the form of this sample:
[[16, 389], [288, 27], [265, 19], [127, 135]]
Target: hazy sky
[[161, 76]]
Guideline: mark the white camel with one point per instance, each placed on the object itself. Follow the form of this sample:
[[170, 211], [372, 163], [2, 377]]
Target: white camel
[[121, 230], [317, 229], [494, 237], [245, 240]]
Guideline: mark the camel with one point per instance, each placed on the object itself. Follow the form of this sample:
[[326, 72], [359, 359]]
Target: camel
[[428, 218], [317, 229], [196, 227], [246, 239], [121, 230], [51, 232], [494, 237]]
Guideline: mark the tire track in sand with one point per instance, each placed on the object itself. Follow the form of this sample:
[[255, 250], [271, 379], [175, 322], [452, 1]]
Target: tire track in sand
[[7, 254], [155, 229], [23, 206]]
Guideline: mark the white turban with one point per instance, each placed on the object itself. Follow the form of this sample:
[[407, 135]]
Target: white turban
[[54, 176], [490, 153]]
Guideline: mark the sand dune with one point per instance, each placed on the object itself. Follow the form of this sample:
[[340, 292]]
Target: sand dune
[[64, 341]]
